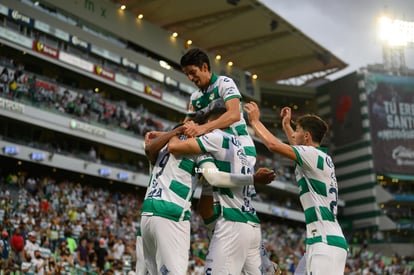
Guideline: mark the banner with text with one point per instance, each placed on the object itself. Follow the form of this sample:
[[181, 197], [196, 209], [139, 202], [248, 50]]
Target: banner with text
[[391, 111]]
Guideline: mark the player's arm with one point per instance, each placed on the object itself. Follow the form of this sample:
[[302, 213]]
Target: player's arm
[[210, 171], [222, 179], [271, 142], [188, 146], [154, 145], [231, 116], [286, 114], [224, 121]]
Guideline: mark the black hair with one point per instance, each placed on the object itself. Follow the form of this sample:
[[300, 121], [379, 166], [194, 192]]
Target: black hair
[[178, 125], [314, 125], [195, 57], [216, 112]]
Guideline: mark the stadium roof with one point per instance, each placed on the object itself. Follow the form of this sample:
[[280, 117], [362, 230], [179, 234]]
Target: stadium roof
[[246, 32]]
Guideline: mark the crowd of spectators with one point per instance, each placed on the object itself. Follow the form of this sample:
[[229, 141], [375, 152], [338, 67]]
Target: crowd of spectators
[[64, 227], [86, 105]]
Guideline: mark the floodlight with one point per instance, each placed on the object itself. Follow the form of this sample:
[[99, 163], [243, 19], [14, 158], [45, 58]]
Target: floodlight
[[396, 32]]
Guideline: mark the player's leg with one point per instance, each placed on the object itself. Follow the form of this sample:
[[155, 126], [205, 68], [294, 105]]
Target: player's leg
[[301, 268], [253, 239], [323, 259], [173, 242], [149, 244], [208, 210], [227, 250], [140, 268]]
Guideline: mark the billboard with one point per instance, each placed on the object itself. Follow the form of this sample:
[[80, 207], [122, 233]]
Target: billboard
[[346, 109], [391, 113]]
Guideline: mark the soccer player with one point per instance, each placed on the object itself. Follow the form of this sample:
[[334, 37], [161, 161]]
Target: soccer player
[[235, 244], [214, 90], [326, 247], [165, 225]]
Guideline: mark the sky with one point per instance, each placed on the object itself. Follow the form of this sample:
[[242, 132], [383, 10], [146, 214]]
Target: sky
[[346, 28]]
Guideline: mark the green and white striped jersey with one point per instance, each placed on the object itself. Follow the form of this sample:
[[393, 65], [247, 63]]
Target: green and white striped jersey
[[229, 156], [318, 191], [220, 90], [171, 187]]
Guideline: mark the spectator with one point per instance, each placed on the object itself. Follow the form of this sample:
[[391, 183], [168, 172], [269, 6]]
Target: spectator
[[71, 242], [4, 250], [53, 233], [31, 245], [118, 250], [17, 246], [38, 263], [65, 259], [82, 254], [102, 255]]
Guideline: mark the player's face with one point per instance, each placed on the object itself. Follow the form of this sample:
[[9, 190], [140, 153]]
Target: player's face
[[199, 76], [299, 135]]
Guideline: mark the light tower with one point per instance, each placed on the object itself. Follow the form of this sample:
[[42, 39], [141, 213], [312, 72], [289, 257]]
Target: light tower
[[396, 35]]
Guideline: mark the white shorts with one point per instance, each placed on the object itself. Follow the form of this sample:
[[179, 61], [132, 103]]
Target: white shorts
[[234, 249], [323, 259], [166, 245], [140, 268], [301, 267]]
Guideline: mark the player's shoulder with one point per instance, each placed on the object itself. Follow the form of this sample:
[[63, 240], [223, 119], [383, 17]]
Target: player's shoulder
[[224, 79], [196, 94], [214, 136]]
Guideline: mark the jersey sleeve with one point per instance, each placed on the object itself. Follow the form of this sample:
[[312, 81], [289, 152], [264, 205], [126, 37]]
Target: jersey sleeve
[[190, 107], [303, 154], [228, 89], [210, 142], [204, 158]]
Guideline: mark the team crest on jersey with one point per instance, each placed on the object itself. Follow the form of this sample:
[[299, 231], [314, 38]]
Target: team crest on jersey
[[164, 270], [230, 90], [226, 79], [329, 162], [235, 141]]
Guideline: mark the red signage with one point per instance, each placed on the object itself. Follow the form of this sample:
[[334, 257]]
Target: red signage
[[153, 92], [45, 49], [104, 72]]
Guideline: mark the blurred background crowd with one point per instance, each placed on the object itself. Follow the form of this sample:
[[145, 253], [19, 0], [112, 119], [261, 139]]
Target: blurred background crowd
[[84, 229]]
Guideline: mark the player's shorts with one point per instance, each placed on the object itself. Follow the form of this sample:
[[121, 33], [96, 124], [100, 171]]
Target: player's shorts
[[234, 249], [166, 245]]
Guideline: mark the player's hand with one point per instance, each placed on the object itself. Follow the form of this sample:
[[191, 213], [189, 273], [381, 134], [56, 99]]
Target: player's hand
[[192, 129], [264, 176], [286, 114], [152, 134], [252, 111]]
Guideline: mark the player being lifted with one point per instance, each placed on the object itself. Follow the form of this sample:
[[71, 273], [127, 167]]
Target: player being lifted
[[213, 91]]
